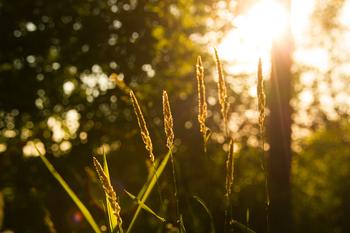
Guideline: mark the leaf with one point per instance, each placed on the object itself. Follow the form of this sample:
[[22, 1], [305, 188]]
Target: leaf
[[144, 206], [202, 203], [148, 187], [70, 192]]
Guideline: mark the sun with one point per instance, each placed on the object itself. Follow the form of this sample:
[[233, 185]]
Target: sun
[[254, 32], [267, 20]]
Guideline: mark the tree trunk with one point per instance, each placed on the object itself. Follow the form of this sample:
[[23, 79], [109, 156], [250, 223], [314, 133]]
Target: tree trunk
[[279, 163]]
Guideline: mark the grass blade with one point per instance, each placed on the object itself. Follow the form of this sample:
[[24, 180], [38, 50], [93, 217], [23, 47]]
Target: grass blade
[[71, 193], [144, 206], [242, 227], [182, 225], [149, 187], [202, 203], [149, 178]]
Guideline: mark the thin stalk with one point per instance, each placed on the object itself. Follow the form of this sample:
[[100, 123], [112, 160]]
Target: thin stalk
[[175, 192], [267, 195], [225, 219], [158, 186]]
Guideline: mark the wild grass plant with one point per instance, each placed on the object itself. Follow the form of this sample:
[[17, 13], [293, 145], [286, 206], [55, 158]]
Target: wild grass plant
[[114, 210]]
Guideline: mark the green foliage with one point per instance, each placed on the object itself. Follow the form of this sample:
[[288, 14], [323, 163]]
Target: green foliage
[[321, 180]]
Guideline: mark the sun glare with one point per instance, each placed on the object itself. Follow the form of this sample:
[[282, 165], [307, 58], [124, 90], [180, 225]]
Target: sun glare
[[255, 30], [268, 19]]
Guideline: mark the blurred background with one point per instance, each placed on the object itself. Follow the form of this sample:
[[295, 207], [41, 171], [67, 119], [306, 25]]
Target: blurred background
[[56, 58]]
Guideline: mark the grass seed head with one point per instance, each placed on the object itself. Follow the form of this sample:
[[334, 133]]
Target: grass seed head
[[202, 104], [143, 127], [261, 97], [168, 121], [222, 91], [108, 189]]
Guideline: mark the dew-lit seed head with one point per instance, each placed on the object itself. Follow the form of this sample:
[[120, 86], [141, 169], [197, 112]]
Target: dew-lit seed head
[[142, 125], [108, 189], [168, 121]]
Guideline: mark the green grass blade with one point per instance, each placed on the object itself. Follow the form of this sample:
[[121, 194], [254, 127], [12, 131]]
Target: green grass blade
[[144, 187], [182, 225], [71, 193], [112, 219], [202, 203], [144, 206], [149, 188], [242, 227]]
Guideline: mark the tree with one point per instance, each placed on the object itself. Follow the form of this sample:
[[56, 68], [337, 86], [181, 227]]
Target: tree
[[279, 161]]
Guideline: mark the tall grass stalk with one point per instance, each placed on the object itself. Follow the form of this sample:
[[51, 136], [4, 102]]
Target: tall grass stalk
[[146, 138], [229, 181], [168, 128], [224, 104]]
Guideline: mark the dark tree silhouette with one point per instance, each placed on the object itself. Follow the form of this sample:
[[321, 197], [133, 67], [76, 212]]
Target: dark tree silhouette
[[279, 164]]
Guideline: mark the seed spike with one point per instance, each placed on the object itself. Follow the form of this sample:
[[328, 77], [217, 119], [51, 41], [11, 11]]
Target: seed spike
[[108, 189], [261, 97], [222, 91], [142, 125], [202, 104], [168, 121]]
